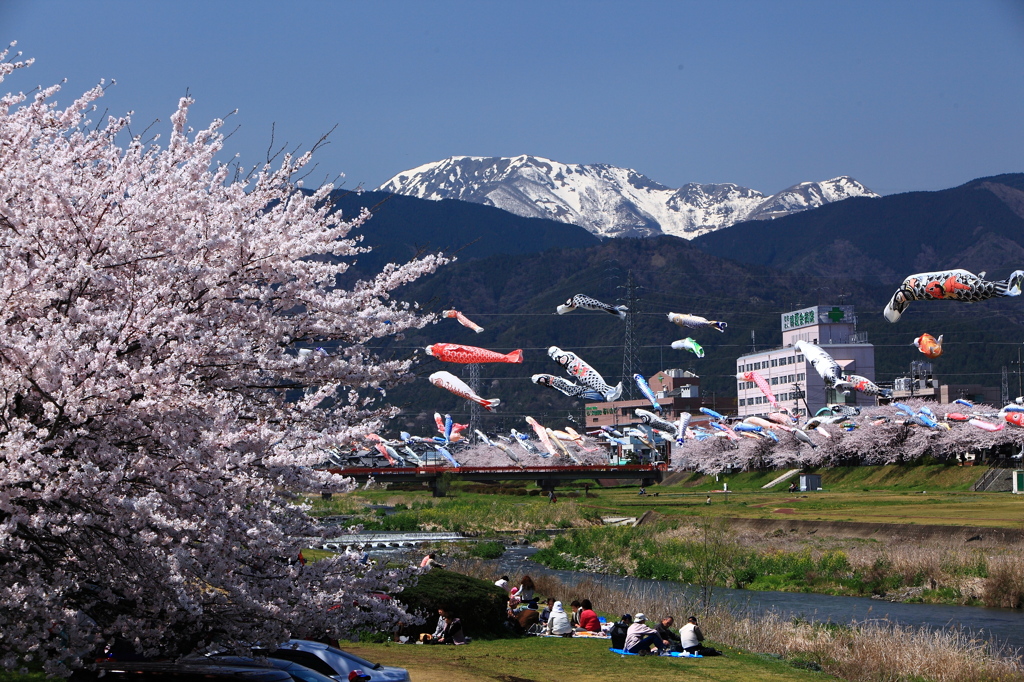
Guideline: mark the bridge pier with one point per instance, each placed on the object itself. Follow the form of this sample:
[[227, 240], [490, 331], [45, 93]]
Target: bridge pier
[[437, 490]]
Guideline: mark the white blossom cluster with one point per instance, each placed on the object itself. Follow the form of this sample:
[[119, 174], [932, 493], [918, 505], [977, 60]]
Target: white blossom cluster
[[888, 442], [154, 409]]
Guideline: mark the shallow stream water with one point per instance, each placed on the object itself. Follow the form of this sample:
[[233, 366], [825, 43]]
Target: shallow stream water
[[1004, 626]]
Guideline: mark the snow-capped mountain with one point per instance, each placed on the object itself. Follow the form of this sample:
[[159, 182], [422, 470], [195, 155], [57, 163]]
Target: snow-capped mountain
[[607, 200]]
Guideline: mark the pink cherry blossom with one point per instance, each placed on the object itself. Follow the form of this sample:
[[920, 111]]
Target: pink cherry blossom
[[889, 442], [155, 413]]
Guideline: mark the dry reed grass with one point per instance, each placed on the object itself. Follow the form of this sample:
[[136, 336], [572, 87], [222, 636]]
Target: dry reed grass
[[1005, 584], [866, 651]]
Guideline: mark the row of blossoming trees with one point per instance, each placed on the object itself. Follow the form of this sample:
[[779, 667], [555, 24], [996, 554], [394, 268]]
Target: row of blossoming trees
[[890, 442], [152, 307]]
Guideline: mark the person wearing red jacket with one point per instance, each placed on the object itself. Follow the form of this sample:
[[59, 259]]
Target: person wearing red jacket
[[588, 618]]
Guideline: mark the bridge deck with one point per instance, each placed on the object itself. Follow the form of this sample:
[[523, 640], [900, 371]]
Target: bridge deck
[[562, 473]]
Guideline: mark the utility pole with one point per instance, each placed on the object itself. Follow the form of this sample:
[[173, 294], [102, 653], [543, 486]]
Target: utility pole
[[1005, 387], [800, 393], [630, 362], [473, 376], [1020, 389]]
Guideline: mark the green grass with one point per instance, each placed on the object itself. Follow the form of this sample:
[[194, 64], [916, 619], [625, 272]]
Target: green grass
[[460, 511], [877, 494], [554, 659], [891, 477]]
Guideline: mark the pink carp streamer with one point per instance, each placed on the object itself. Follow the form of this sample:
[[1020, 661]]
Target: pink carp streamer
[[463, 320]]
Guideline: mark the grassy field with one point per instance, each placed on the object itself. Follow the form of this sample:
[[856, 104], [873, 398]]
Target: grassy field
[[555, 659], [925, 494]]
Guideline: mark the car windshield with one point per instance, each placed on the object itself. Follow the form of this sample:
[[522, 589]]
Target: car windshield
[[348, 660]]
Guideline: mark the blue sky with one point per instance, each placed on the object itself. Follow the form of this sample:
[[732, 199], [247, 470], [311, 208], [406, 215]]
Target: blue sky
[[902, 95]]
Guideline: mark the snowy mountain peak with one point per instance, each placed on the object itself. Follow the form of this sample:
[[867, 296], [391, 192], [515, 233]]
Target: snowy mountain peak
[[607, 200]]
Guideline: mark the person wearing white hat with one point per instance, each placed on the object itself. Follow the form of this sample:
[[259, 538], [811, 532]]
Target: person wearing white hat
[[640, 637]]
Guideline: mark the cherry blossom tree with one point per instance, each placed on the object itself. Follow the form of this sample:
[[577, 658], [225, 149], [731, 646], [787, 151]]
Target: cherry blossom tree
[[158, 402], [874, 441]]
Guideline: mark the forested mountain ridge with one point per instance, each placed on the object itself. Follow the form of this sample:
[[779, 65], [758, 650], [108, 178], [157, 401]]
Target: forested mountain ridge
[[977, 226]]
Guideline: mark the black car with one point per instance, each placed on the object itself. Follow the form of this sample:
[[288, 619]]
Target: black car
[[178, 671], [299, 673]]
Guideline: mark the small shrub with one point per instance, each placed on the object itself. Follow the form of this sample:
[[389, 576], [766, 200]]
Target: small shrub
[[487, 550], [480, 604], [551, 558], [656, 568], [404, 522]]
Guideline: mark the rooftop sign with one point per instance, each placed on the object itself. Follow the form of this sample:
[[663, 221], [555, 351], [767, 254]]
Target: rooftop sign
[[819, 314]]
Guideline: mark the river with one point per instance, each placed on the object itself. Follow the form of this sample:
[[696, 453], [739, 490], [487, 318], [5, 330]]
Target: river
[[1004, 626]]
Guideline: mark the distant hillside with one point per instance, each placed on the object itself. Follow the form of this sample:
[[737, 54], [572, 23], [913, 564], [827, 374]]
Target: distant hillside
[[977, 226], [402, 227]]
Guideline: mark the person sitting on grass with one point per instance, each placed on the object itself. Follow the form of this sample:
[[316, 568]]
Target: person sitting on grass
[[589, 622], [453, 629], [442, 623], [545, 613], [664, 629], [618, 631], [692, 639], [522, 620], [558, 622], [527, 589], [574, 617], [640, 637]]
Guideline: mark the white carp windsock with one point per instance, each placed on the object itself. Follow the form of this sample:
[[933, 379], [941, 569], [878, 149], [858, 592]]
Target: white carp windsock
[[956, 285], [681, 426], [654, 420], [450, 382], [824, 364], [866, 386], [542, 434], [498, 444], [762, 384], [695, 321], [463, 320], [577, 437], [556, 438], [584, 373], [585, 302], [567, 387], [690, 345], [804, 438]]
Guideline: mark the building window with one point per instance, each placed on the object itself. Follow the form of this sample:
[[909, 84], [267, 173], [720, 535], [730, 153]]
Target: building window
[[800, 377], [775, 381], [775, 363], [743, 401], [800, 358]]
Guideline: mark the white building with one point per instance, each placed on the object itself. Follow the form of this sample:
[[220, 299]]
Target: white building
[[792, 379]]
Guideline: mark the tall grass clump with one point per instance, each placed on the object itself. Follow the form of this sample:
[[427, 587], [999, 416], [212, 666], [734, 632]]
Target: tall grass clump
[[1005, 584]]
